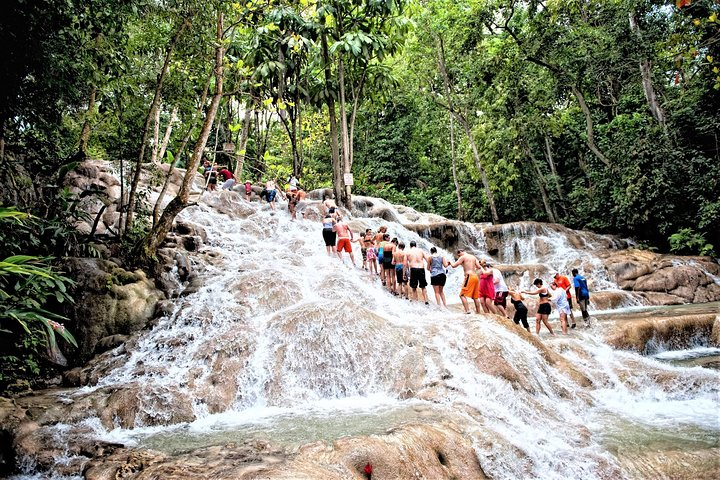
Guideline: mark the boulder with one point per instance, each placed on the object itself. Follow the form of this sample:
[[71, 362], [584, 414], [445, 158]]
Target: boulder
[[108, 301]]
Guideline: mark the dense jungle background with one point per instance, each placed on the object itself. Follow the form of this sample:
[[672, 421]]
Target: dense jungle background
[[599, 115]]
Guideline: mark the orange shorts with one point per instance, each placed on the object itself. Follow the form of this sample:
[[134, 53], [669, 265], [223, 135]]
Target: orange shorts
[[344, 244], [470, 286]]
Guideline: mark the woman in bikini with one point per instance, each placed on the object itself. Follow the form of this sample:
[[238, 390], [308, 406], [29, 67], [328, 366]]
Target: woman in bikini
[[544, 308]]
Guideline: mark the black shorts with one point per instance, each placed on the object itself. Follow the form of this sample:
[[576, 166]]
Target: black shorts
[[387, 260], [521, 316], [329, 236], [417, 278], [544, 309], [438, 280]]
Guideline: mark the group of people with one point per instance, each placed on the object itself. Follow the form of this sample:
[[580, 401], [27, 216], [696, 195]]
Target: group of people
[[403, 272], [293, 193], [486, 286]]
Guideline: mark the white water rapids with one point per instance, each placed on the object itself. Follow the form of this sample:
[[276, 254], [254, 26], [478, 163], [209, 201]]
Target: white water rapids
[[286, 343]]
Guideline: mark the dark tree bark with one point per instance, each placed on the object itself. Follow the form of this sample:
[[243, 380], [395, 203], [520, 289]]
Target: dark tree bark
[[89, 115]]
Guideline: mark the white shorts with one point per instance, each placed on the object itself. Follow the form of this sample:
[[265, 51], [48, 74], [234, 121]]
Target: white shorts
[[564, 309]]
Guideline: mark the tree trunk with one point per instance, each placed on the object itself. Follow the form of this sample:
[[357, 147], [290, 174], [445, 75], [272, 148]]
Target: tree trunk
[[334, 148], [589, 124], [89, 115], [242, 144], [160, 230], [461, 214], [345, 200], [646, 75], [468, 131], [156, 135], [148, 119], [178, 153], [553, 170], [541, 183], [166, 137]]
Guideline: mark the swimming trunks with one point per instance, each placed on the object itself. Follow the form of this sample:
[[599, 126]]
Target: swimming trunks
[[271, 195], [400, 273], [344, 244], [371, 253], [363, 251], [417, 278], [544, 309], [470, 286]]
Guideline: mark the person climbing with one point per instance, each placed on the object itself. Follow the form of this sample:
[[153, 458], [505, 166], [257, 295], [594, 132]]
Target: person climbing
[[470, 284], [344, 239], [486, 287], [543, 311], [271, 189], [521, 311], [501, 292], [248, 190], [292, 183], [371, 253], [415, 260], [437, 266], [328, 233], [558, 296], [210, 174], [228, 177], [400, 271], [330, 206], [379, 239], [365, 241], [388, 269], [582, 294], [564, 283]]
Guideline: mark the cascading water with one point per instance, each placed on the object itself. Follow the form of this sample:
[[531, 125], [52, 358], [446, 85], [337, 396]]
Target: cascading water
[[286, 343]]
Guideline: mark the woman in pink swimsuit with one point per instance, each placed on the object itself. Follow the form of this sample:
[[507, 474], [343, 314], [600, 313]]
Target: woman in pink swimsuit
[[486, 287]]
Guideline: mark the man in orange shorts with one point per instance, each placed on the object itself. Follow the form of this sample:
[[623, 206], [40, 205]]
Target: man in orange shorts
[[344, 236], [470, 288]]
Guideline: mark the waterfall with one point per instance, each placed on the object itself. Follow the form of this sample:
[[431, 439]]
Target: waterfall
[[287, 342]]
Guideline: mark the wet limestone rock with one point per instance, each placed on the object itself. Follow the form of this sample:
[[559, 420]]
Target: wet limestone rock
[[108, 301], [642, 332]]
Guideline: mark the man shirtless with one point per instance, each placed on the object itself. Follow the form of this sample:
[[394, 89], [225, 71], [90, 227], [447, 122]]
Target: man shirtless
[[470, 284], [415, 261], [344, 237], [400, 273]]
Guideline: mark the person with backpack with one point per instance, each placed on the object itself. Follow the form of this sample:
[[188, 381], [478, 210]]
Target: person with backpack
[[582, 294]]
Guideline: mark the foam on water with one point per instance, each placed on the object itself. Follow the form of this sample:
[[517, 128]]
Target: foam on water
[[326, 341]]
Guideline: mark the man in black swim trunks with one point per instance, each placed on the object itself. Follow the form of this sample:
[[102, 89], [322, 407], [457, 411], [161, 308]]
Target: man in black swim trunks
[[415, 261]]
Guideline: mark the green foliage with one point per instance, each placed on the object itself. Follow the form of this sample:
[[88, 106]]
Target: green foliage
[[688, 241], [28, 284]]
